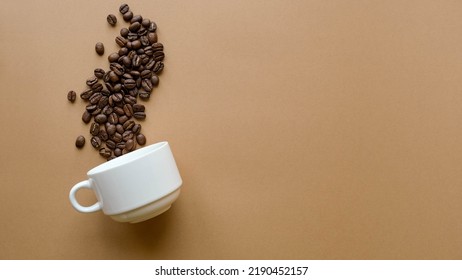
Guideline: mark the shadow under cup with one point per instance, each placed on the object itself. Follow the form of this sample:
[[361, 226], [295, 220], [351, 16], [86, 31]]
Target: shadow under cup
[[134, 187]]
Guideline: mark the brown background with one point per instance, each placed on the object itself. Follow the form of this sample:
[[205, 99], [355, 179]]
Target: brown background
[[302, 130]]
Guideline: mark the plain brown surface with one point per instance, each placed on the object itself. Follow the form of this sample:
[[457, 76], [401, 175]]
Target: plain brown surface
[[302, 130]]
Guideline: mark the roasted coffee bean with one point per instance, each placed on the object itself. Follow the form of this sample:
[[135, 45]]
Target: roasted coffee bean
[[158, 47], [135, 26], [94, 99], [99, 48], [91, 81], [113, 118], [94, 129], [95, 141], [152, 26], [110, 144], [103, 101], [127, 62], [144, 41], [158, 67], [144, 95], [121, 41], [128, 125], [123, 119], [150, 64], [124, 8], [129, 84], [129, 99], [106, 77], [111, 19], [136, 62], [132, 36], [147, 85], [138, 108], [128, 16], [103, 135], [97, 87], [136, 44], [134, 73], [111, 129], [106, 153], [155, 80], [142, 31], [137, 18], [141, 139], [127, 135], [101, 118], [152, 37], [117, 87], [146, 74], [91, 108], [145, 22], [123, 51], [86, 117], [133, 92], [119, 128], [113, 57], [119, 111], [107, 110], [138, 82], [139, 115], [117, 137], [71, 95], [97, 111], [136, 128], [80, 141], [149, 51], [105, 92], [159, 56], [99, 73], [117, 152], [130, 145], [112, 78], [117, 69], [111, 157]]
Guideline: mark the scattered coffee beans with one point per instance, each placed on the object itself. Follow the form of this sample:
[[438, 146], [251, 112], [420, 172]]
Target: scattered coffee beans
[[80, 141], [99, 48], [112, 94], [111, 19]]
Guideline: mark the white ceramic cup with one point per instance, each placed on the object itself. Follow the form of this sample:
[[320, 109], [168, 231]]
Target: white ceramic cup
[[134, 187]]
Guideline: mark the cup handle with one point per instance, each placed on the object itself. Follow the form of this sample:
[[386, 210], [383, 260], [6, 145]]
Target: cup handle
[[84, 209]]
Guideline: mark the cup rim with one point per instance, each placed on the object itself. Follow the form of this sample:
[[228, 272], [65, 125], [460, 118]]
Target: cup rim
[[127, 158]]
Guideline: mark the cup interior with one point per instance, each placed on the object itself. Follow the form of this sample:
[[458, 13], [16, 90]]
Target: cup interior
[[127, 158]]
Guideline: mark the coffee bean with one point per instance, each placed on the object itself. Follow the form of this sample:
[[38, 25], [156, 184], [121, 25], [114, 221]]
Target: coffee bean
[[128, 125], [103, 101], [113, 77], [80, 141], [135, 26], [71, 95], [129, 84], [123, 51], [128, 110], [119, 128], [106, 153], [159, 56], [150, 64], [113, 57], [86, 94], [152, 37], [117, 69], [97, 87], [119, 111], [147, 85], [94, 129], [99, 48], [117, 88], [124, 8], [136, 128], [103, 135], [101, 118], [144, 95], [158, 67], [127, 62], [155, 80], [94, 99], [136, 62], [129, 99], [142, 31], [117, 97], [123, 119], [132, 36], [139, 115], [138, 108], [127, 135], [95, 141], [130, 145], [128, 16], [136, 44], [113, 118], [117, 152], [121, 41], [97, 111], [111, 129], [141, 139], [110, 144], [91, 108], [144, 41], [86, 117], [137, 18], [152, 26], [117, 137], [111, 19], [91, 81]]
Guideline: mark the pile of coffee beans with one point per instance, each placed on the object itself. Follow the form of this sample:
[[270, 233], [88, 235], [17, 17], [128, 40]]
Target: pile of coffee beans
[[112, 94]]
